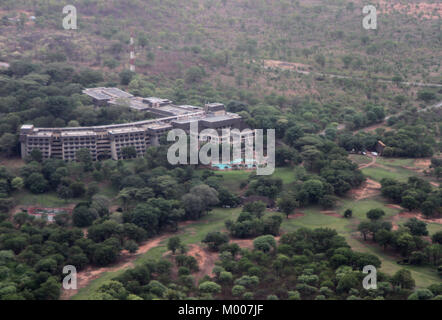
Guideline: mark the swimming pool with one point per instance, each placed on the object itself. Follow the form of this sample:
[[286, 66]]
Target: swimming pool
[[221, 166], [250, 163]]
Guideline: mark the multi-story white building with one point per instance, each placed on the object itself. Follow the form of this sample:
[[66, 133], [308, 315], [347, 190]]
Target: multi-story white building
[[108, 141]]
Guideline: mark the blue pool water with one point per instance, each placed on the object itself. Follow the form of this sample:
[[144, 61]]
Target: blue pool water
[[222, 166]]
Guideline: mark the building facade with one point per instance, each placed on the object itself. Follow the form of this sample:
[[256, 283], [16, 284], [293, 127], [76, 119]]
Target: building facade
[[109, 141]]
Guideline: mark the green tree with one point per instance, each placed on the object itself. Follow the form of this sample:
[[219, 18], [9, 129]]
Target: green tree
[[173, 244], [364, 229], [36, 155], [287, 204], [403, 279], [417, 227], [84, 156], [209, 287], [82, 216], [64, 192], [348, 213], [129, 152], [264, 243], [8, 144], [215, 239], [17, 183], [36, 183], [126, 77], [409, 202], [375, 214]]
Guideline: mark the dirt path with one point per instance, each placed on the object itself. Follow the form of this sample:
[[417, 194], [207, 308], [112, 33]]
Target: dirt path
[[366, 165], [369, 188]]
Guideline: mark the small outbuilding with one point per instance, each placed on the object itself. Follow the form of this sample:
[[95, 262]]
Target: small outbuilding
[[380, 146]]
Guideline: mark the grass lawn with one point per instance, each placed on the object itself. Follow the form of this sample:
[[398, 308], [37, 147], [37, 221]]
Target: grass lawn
[[395, 162], [378, 173], [50, 199], [287, 174], [312, 219], [433, 228], [108, 191], [233, 179], [361, 207]]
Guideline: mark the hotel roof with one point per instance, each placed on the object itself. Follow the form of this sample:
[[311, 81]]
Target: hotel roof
[[102, 93]]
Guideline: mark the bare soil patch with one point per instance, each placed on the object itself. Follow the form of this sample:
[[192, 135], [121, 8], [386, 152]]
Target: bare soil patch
[[296, 215], [286, 65], [394, 206], [205, 258], [368, 189], [424, 162], [331, 213], [243, 243]]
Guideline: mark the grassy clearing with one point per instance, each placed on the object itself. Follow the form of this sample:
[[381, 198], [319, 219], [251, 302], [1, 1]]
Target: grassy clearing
[[378, 173], [49, 200], [286, 174], [232, 179], [108, 191], [312, 219], [361, 207], [433, 228], [395, 162]]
